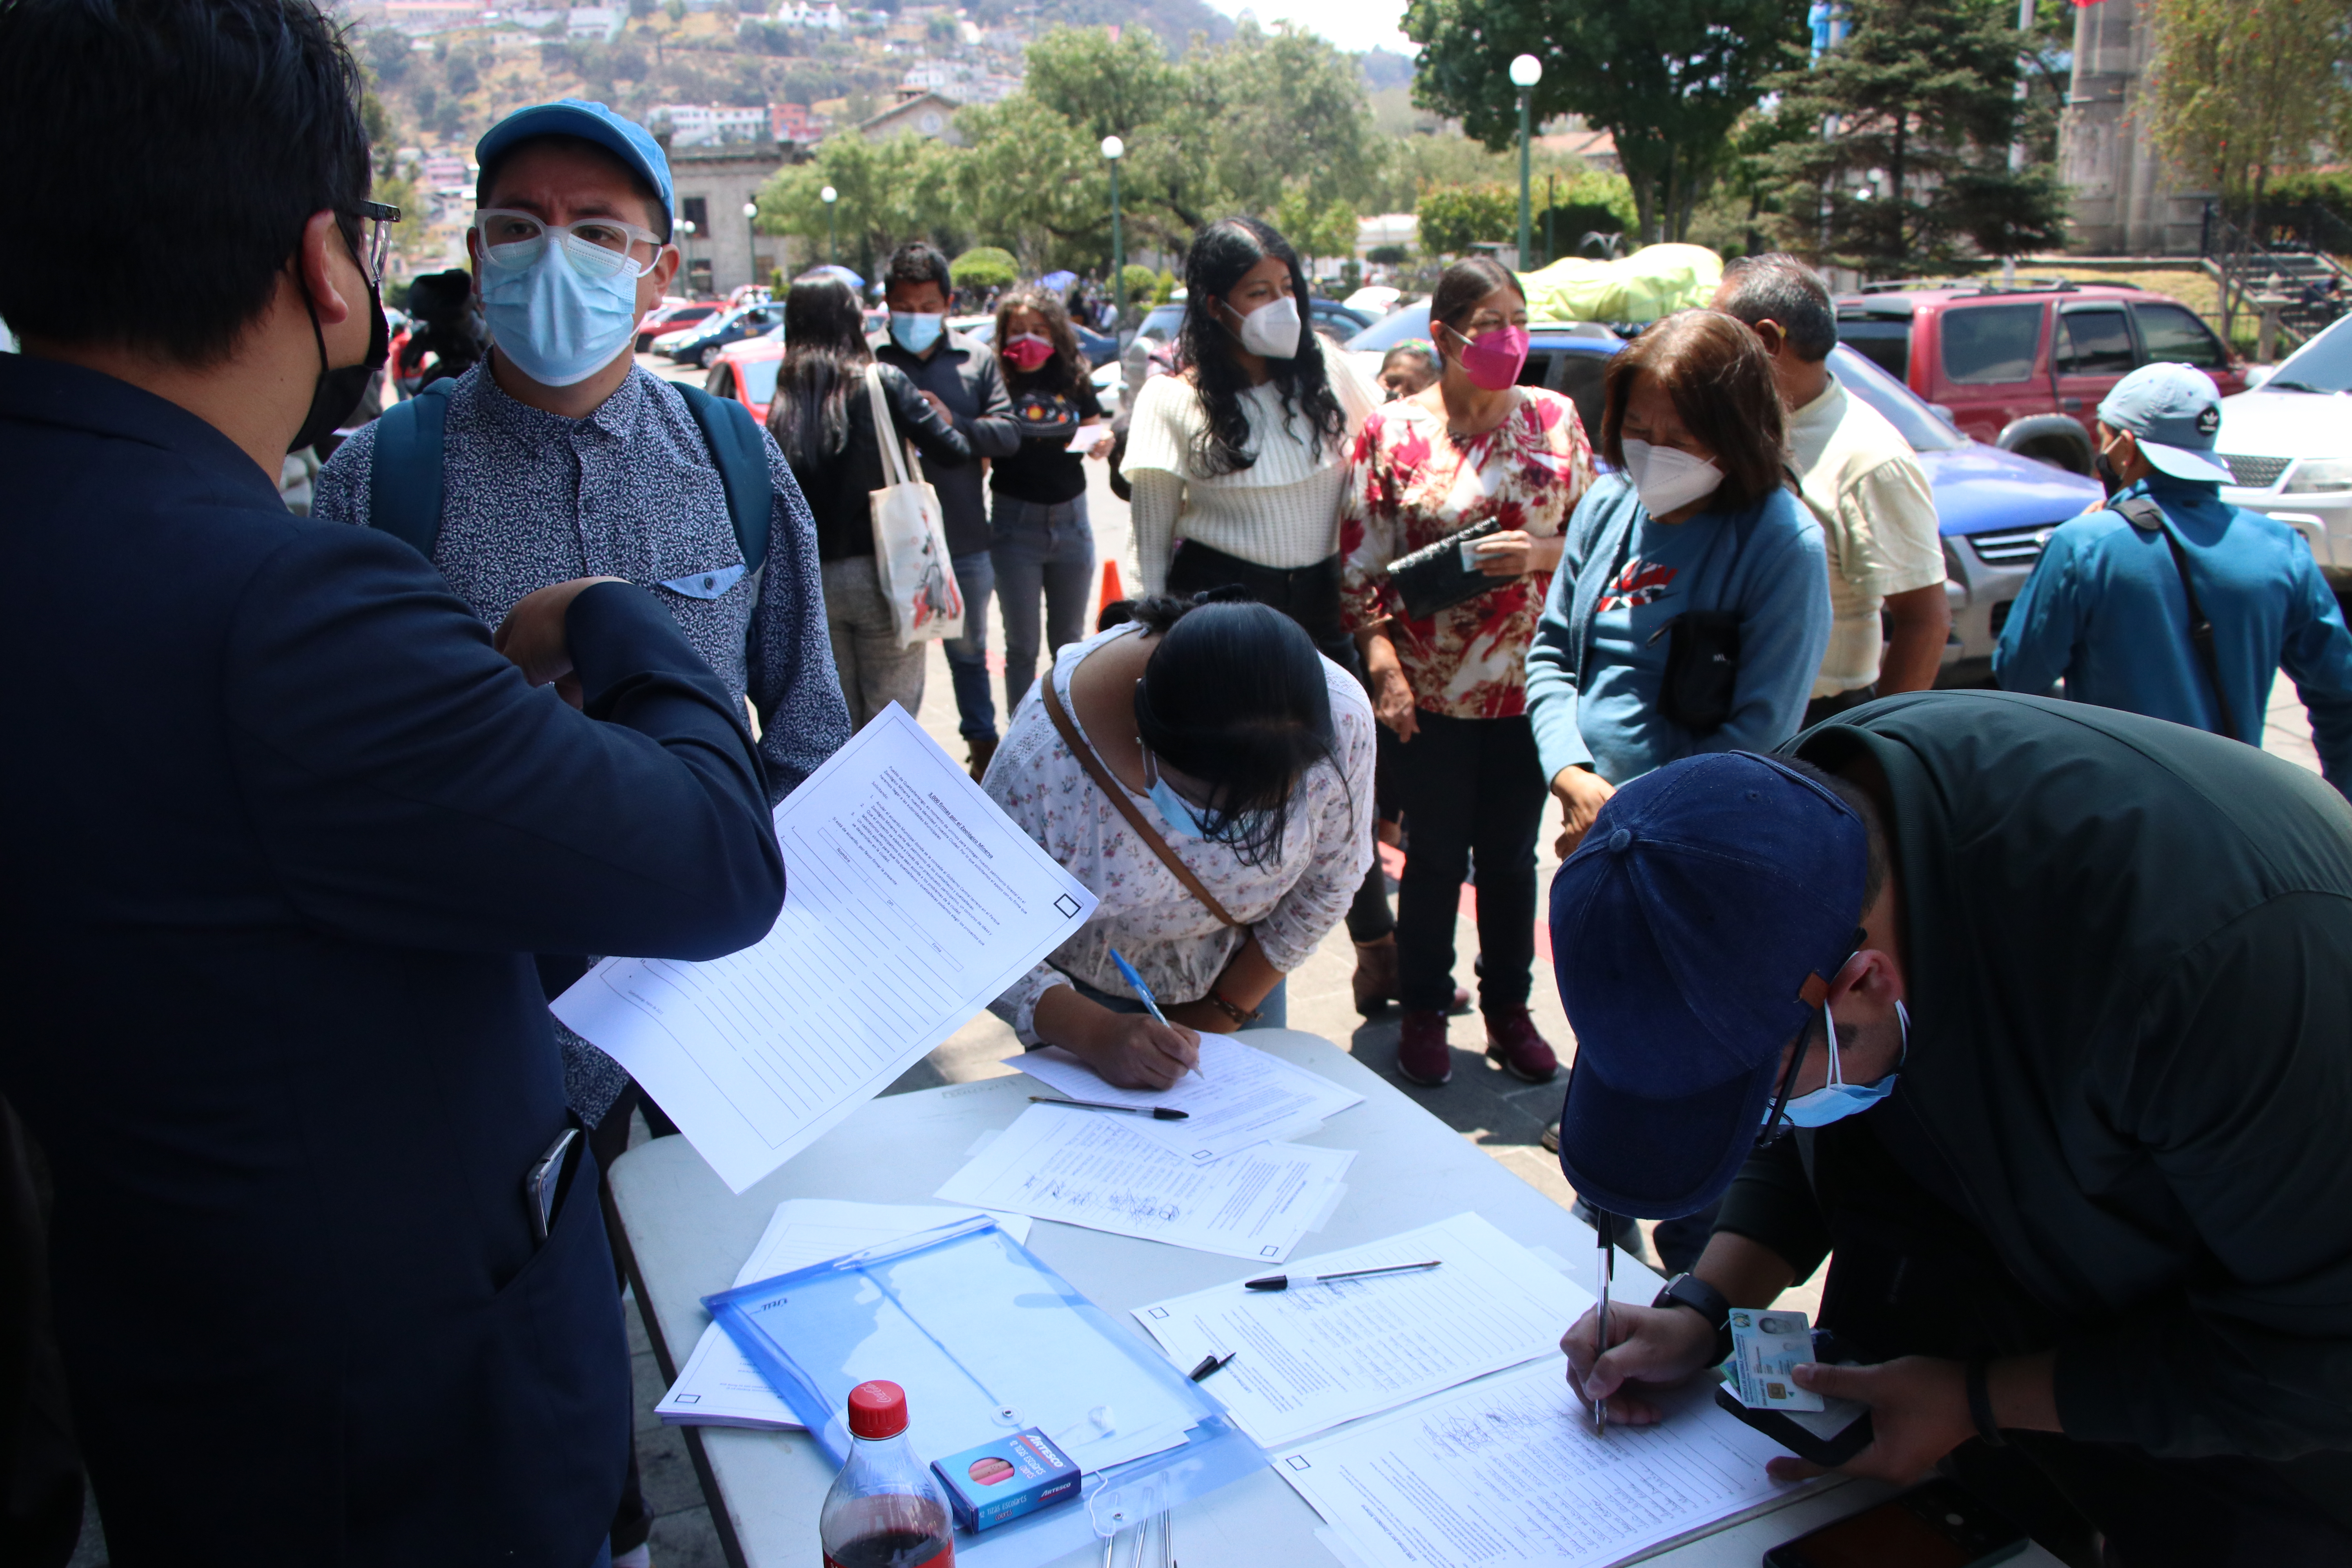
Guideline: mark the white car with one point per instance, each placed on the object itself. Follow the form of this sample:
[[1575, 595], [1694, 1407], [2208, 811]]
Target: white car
[[2288, 444]]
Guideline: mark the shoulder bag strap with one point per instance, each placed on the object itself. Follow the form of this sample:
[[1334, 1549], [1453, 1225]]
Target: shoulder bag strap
[[2142, 512], [741, 458], [1110, 787], [886, 428], [405, 470]]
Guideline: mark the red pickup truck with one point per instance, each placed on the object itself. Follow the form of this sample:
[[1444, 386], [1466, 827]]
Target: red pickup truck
[[2024, 368]]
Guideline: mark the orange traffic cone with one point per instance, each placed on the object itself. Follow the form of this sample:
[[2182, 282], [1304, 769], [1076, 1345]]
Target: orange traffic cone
[[1112, 593]]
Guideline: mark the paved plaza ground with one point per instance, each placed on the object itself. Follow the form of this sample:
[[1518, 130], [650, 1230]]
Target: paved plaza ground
[[1499, 1114]]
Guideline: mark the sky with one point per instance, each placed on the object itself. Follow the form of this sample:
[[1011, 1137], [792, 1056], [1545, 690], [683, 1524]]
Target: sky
[[1350, 24]]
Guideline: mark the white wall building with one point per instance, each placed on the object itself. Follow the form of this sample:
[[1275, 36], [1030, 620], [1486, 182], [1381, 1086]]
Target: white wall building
[[704, 124], [801, 14], [602, 23]]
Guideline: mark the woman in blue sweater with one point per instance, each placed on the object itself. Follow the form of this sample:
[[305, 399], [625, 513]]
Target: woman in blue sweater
[[1695, 540]]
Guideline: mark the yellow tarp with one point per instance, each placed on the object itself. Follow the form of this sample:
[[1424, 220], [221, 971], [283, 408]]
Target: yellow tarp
[[1655, 280]]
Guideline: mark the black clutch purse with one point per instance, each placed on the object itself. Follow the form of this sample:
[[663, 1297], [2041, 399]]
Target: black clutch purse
[[1432, 578]]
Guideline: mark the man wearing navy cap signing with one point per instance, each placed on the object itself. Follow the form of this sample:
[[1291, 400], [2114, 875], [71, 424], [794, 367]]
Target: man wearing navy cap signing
[[2170, 602], [2035, 1017]]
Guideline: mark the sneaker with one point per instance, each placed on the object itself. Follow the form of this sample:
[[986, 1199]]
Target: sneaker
[[984, 747], [1551, 1136], [1512, 1040], [1422, 1055]]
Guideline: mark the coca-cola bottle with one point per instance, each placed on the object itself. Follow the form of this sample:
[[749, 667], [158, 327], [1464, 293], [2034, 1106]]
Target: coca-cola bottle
[[886, 1509]]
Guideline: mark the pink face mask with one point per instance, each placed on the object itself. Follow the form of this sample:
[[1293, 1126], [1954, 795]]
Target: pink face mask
[[1493, 358], [1028, 353]]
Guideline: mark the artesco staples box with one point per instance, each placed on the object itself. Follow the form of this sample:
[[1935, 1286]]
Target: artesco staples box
[[1019, 1473]]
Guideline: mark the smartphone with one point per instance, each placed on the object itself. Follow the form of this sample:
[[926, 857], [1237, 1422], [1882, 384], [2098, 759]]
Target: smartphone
[[1935, 1525], [544, 1187]]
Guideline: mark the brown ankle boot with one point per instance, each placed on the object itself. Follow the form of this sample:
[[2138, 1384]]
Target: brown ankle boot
[[1376, 974], [982, 748]]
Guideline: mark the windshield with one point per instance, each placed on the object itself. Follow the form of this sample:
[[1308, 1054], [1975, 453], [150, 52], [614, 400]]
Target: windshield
[[1161, 323], [1902, 408], [760, 379], [2322, 364], [1408, 321]]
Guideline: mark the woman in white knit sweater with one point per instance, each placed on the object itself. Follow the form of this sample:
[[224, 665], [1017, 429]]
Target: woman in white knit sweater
[[1237, 463]]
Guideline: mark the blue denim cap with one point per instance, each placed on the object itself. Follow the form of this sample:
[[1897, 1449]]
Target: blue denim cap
[[1694, 935], [2175, 412], [624, 139]]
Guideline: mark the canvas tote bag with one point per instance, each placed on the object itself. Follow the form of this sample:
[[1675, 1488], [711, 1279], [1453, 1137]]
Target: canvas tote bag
[[911, 540]]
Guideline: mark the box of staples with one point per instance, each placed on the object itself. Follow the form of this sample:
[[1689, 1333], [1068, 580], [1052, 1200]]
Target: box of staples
[[1019, 1473]]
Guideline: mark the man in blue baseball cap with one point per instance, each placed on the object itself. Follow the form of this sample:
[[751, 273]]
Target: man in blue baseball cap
[[2034, 1018], [2170, 602], [559, 457]]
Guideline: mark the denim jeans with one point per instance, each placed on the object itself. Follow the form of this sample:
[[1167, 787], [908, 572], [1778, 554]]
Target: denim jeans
[[968, 655], [1047, 550]]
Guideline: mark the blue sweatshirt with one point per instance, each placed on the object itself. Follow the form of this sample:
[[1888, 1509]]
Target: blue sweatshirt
[[1593, 671], [2103, 611]]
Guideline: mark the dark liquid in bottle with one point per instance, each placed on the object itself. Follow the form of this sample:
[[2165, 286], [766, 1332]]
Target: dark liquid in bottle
[[894, 1549]]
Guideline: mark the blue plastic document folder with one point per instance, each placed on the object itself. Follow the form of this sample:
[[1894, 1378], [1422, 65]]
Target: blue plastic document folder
[[986, 1339]]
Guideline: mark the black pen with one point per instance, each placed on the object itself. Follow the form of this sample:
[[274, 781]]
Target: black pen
[[1282, 1281], [1210, 1363], [1157, 1113]]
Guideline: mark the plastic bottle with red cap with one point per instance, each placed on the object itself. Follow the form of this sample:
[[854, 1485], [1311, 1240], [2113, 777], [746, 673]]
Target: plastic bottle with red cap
[[886, 1509]]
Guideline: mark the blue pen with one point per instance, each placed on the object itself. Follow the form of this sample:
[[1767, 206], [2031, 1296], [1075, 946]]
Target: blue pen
[[1143, 993]]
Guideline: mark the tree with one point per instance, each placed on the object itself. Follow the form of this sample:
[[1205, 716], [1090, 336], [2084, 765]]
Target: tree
[[1923, 96], [1329, 230], [889, 192], [2245, 89], [984, 267], [1105, 86], [1454, 219], [1666, 79], [1036, 184]]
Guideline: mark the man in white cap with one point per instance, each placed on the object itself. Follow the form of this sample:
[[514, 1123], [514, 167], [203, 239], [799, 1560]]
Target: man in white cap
[[2167, 601]]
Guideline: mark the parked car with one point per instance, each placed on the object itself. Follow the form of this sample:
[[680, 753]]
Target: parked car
[[2024, 368], [700, 344], [1569, 357], [1161, 323], [746, 371], [1100, 349], [670, 316], [2288, 444]]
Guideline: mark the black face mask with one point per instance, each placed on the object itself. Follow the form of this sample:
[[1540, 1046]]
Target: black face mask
[[2108, 477], [340, 390]]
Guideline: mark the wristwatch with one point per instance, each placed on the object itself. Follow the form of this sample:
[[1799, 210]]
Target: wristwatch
[[1690, 1290]]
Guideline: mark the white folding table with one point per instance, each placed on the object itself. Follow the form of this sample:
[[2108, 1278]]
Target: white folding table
[[684, 1235]]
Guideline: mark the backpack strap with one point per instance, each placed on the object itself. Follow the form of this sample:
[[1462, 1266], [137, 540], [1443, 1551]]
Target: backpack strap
[[405, 470], [2143, 513], [735, 446]]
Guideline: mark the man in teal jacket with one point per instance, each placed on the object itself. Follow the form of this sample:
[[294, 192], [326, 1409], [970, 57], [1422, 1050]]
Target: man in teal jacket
[[2108, 608]]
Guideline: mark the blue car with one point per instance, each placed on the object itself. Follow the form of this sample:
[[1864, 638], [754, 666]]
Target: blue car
[[1995, 508]]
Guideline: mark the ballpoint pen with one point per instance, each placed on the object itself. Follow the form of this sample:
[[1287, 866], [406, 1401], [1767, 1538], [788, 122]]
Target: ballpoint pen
[[1283, 1281], [1157, 1113], [1143, 993], [1602, 1227]]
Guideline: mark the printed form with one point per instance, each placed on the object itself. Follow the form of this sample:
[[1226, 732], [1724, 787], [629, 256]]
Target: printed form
[[1083, 1168], [912, 903], [1247, 1097], [1508, 1471], [1310, 1357], [719, 1386]]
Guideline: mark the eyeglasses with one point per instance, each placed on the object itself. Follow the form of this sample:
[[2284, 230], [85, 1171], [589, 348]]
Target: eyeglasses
[[379, 217], [596, 246]]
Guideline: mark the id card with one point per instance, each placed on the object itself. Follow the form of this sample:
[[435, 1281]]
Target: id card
[[1767, 1345]]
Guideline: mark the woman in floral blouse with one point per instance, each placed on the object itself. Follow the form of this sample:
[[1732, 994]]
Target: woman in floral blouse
[[1476, 447]]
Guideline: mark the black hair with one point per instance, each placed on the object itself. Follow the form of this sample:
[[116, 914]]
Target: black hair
[[206, 133], [1874, 824], [825, 363], [486, 180], [1234, 696], [1067, 370], [1465, 283], [1777, 287], [1220, 255], [441, 306], [917, 261]]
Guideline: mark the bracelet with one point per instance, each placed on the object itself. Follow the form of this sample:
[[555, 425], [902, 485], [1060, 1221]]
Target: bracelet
[[1981, 1404], [1239, 1014]]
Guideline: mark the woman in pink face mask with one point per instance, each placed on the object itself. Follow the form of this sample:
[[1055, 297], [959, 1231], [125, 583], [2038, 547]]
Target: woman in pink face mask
[[1475, 451], [1040, 541]]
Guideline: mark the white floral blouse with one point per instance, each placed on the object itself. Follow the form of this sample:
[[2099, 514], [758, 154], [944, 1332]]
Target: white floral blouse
[[1175, 943]]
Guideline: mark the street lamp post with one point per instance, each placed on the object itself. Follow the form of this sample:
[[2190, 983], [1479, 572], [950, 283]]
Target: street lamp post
[[686, 227], [1113, 150], [831, 229], [1526, 72], [751, 240]]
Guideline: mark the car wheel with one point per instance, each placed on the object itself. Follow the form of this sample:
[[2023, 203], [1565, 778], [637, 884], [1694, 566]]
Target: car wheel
[[709, 357]]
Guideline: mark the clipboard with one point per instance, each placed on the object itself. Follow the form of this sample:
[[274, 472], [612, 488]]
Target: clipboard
[[986, 1338]]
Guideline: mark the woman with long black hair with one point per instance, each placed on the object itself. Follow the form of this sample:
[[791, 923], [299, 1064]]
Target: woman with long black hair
[[1237, 465], [1039, 538], [823, 419]]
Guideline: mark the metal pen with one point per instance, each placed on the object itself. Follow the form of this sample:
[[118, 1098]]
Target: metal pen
[[1603, 1226], [1143, 993]]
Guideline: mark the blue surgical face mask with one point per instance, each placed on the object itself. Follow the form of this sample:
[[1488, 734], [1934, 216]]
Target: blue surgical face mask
[[1837, 1099], [1179, 814], [565, 316], [916, 330]]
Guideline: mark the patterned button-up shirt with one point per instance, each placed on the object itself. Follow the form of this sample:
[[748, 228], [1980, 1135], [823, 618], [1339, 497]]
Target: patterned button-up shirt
[[530, 498]]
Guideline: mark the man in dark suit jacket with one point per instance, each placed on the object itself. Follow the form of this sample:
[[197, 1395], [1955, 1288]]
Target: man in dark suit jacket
[[282, 830]]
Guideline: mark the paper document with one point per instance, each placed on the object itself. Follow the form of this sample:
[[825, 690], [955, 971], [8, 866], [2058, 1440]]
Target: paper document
[[1248, 1096], [1508, 1471], [1315, 1355], [912, 903], [719, 1386], [1085, 1168]]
